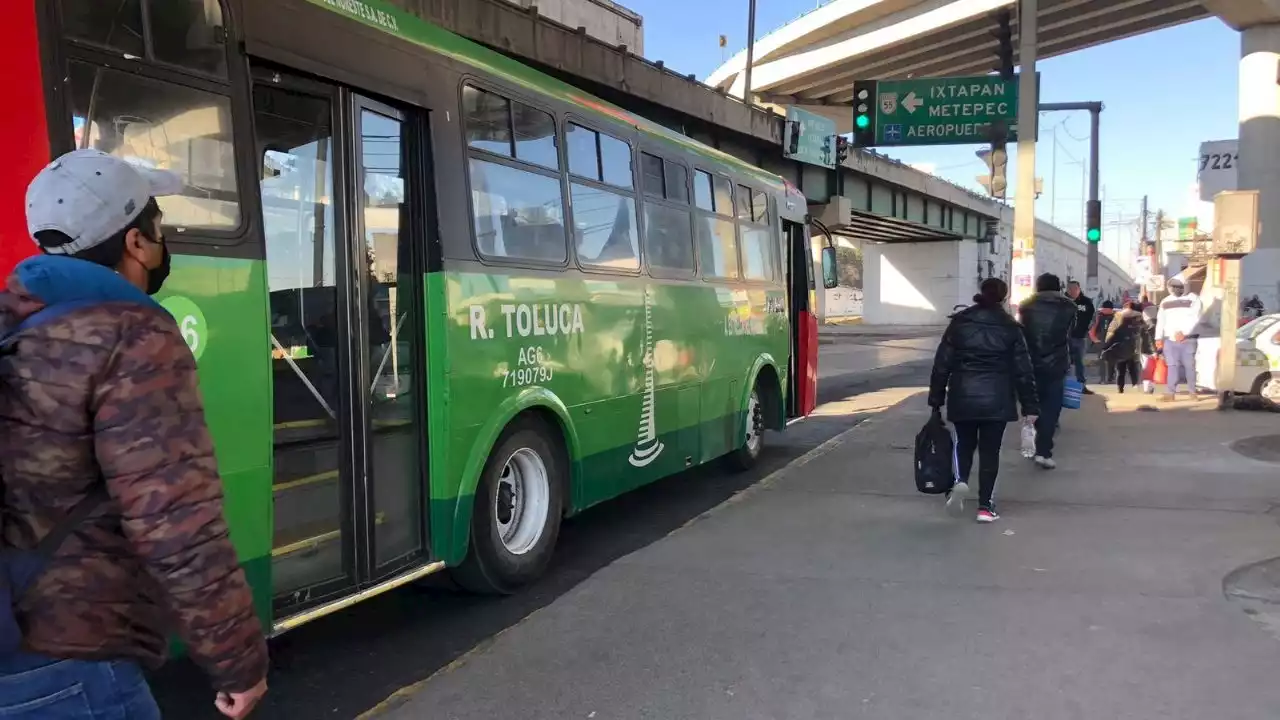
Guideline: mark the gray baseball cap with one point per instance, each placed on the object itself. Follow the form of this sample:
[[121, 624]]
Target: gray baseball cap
[[89, 196]]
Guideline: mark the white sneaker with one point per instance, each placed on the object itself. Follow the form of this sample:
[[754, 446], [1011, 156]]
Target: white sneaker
[[1045, 463], [956, 498]]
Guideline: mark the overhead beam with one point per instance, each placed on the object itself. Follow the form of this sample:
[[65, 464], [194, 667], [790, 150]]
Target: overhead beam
[[1244, 14]]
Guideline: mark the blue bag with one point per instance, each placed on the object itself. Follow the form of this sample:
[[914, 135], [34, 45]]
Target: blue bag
[[19, 569], [1072, 394]]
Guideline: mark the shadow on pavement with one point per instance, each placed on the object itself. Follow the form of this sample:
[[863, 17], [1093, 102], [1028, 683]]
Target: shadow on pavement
[[344, 664]]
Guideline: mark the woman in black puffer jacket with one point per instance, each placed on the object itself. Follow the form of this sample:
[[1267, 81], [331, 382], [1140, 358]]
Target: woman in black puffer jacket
[[981, 373]]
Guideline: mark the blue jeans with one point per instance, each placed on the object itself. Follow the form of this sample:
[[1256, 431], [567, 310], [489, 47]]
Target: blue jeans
[[1180, 357], [48, 689], [1049, 387], [1077, 346]]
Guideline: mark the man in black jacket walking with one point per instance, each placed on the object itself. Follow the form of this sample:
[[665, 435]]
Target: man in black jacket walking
[[1079, 342], [1048, 319]]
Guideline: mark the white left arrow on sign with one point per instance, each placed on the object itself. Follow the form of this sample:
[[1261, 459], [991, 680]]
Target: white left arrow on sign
[[911, 102]]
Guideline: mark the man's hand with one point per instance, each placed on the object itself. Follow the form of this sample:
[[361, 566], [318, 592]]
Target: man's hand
[[238, 705], [1159, 345], [1179, 336]]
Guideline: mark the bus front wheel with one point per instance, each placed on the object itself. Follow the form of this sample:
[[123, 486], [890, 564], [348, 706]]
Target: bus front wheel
[[518, 505]]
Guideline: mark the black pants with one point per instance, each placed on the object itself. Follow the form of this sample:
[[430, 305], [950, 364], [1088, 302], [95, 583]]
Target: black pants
[[1130, 366], [1050, 388], [985, 439]]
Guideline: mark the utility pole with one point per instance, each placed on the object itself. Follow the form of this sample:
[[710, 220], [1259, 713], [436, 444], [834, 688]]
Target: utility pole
[[1053, 180], [1092, 208], [751, 51], [1145, 219]]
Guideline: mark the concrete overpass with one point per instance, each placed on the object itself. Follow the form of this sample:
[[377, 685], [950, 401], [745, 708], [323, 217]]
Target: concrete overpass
[[813, 60]]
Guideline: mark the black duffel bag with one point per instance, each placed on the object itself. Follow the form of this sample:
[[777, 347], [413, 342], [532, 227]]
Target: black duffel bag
[[935, 457]]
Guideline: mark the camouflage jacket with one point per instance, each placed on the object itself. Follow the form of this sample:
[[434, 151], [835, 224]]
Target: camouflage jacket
[[108, 393]]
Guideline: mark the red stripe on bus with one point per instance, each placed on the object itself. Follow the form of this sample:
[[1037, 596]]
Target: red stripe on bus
[[23, 126], [808, 363]]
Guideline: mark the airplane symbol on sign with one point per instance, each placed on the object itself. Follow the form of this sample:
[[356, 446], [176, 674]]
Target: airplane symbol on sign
[[892, 133]]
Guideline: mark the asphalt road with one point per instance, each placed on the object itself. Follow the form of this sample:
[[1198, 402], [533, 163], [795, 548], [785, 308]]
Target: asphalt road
[[346, 663]]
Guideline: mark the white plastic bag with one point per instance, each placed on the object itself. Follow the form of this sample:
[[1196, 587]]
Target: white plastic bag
[[1028, 439]]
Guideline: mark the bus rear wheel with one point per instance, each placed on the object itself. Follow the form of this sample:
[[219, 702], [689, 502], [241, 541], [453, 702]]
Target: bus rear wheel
[[518, 505], [746, 456]]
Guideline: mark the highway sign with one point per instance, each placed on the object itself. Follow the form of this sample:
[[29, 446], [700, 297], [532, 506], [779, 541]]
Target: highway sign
[[935, 111], [809, 138]]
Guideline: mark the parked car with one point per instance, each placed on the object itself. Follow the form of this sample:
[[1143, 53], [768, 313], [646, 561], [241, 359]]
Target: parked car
[[1258, 357]]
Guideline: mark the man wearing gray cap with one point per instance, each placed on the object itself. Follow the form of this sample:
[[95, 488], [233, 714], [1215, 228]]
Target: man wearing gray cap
[[113, 533]]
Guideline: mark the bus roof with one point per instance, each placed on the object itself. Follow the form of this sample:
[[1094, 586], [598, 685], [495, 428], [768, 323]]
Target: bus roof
[[411, 28]]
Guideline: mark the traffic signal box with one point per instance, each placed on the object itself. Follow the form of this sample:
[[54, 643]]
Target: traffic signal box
[[1093, 225], [864, 113]]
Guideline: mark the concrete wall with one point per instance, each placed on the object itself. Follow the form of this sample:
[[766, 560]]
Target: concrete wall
[[1065, 255], [920, 283], [916, 283], [604, 20]]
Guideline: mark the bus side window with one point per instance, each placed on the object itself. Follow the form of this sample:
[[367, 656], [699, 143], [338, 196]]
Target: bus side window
[[164, 125], [758, 239], [517, 206], [605, 229], [190, 34], [668, 228]]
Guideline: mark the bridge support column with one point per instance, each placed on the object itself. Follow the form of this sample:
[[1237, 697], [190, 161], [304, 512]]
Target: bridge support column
[[1259, 163], [1024, 199]]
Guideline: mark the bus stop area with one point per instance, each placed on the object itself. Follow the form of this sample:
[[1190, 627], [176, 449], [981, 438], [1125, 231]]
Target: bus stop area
[[1134, 582]]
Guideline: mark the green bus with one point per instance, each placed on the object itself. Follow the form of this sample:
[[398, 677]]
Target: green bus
[[438, 300]]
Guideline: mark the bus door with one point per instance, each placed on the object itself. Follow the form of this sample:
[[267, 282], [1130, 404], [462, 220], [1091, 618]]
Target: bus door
[[342, 202], [802, 393]]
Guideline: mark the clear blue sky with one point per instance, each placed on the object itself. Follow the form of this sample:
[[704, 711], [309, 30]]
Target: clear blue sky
[[1165, 92]]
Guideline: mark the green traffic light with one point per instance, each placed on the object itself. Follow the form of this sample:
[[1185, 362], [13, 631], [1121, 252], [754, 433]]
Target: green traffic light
[[862, 122], [1094, 235]]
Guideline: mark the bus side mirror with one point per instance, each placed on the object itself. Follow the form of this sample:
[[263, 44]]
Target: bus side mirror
[[830, 278]]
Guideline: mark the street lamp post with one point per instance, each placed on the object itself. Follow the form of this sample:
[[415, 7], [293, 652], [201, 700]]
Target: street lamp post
[[751, 51]]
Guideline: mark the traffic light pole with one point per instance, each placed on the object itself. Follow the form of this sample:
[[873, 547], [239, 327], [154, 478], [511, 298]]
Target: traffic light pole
[[1093, 210]]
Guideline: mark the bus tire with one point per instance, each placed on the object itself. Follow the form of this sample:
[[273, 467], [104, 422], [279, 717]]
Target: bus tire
[[518, 505], [747, 455]]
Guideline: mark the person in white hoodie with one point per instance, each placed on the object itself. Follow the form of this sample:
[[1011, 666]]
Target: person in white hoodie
[[1177, 335]]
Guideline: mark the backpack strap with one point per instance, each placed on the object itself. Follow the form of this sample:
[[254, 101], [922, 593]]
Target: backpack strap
[[98, 494], [50, 543]]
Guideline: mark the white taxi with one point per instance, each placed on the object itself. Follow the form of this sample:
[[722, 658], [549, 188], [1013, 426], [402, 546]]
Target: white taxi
[[1258, 357]]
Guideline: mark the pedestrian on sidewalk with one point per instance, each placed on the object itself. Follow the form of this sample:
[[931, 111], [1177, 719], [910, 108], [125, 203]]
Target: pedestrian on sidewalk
[[1126, 342], [981, 373], [1177, 335], [113, 530], [1048, 318], [1080, 331], [1097, 336]]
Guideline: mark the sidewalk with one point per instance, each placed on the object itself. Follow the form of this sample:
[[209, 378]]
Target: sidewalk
[[860, 331], [833, 590]]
